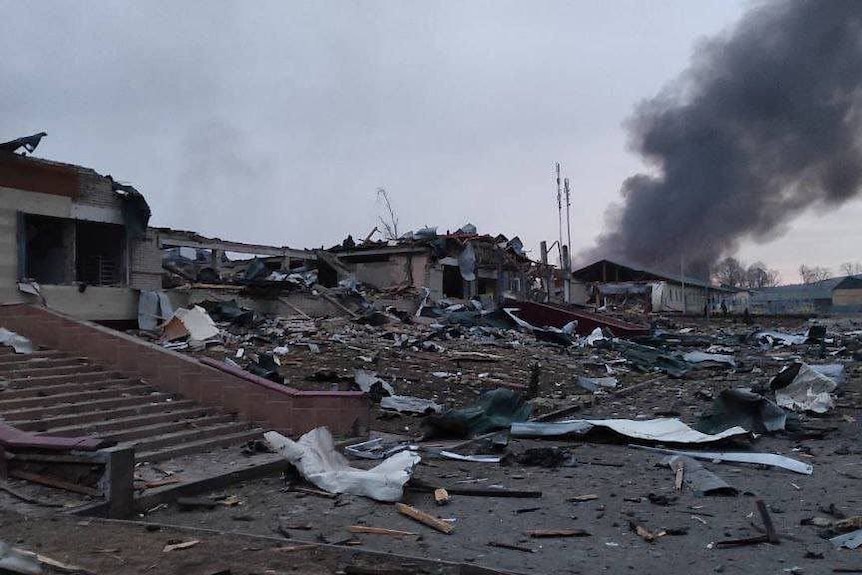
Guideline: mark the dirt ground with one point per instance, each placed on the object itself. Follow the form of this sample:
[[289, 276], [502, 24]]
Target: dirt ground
[[627, 487], [110, 547]]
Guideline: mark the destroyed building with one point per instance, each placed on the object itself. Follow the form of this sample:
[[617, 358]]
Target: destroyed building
[[460, 265], [609, 282], [72, 238]]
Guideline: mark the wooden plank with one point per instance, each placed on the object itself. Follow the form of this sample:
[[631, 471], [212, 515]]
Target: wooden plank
[[55, 482], [545, 533], [424, 518], [380, 531]]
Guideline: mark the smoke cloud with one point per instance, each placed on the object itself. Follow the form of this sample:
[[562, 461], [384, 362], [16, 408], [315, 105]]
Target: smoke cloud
[[765, 124]]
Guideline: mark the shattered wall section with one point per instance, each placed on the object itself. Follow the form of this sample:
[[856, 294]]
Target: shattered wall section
[[145, 259]]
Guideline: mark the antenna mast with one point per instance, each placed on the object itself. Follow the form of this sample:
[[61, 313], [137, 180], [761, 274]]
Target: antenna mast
[[560, 214], [568, 223]]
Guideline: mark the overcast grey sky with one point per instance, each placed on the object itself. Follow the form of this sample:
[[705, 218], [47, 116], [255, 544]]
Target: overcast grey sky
[[275, 122]]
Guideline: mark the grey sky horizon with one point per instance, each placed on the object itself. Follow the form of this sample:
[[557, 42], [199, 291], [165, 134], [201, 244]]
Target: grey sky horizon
[[276, 122]]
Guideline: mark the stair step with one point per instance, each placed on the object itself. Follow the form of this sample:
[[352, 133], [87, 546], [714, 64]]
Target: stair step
[[17, 357], [104, 428], [20, 390], [199, 446], [99, 415], [136, 434], [39, 371], [48, 379], [81, 407], [58, 399], [186, 436], [40, 362]]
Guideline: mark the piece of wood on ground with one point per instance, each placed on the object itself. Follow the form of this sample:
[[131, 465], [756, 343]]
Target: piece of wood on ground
[[771, 534], [548, 533], [646, 534], [316, 492], [680, 473], [511, 546], [27, 498], [441, 496], [380, 531], [580, 498], [293, 548], [180, 546], [51, 481], [161, 482], [424, 518]]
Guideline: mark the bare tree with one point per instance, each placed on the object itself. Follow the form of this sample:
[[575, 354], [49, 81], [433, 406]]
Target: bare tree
[[813, 274], [730, 273], [851, 268], [758, 276], [389, 220]]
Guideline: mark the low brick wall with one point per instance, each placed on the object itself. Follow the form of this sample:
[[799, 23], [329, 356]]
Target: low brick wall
[[283, 409]]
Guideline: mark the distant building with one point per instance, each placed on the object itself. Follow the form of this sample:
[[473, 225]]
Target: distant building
[[797, 299], [460, 265], [607, 282], [847, 294]]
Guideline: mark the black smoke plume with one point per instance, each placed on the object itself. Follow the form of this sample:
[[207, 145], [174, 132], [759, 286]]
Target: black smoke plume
[[765, 123]]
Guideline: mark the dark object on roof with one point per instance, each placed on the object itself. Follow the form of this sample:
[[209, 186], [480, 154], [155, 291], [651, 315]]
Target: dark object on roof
[[29, 143], [850, 282], [604, 271], [136, 211]]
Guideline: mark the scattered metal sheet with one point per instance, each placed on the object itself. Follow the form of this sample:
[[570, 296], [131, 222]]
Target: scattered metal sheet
[[772, 459], [470, 458], [663, 430], [852, 540], [710, 358], [770, 338], [14, 560], [154, 308], [596, 383], [697, 477], [810, 390], [368, 382], [194, 323], [409, 404], [744, 408], [376, 448]]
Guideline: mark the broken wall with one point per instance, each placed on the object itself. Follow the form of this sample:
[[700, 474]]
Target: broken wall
[[390, 270], [73, 193]]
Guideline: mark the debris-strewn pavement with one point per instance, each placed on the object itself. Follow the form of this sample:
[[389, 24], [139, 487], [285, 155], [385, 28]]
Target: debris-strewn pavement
[[623, 481], [594, 503]]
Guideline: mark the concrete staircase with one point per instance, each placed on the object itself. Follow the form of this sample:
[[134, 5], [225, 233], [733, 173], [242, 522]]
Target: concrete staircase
[[53, 393]]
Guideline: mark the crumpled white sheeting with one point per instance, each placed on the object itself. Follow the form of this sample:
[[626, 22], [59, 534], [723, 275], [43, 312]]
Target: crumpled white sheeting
[[17, 342], [316, 458]]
